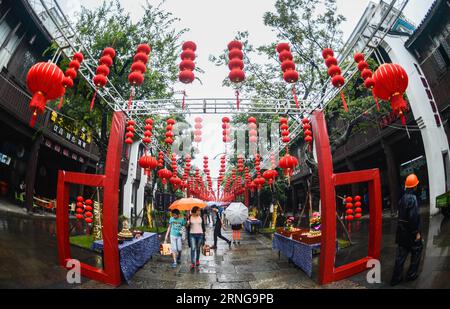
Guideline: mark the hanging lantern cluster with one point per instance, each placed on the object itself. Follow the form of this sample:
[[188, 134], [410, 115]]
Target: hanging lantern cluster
[[221, 172], [349, 208], [175, 181], [130, 134], [44, 80], [164, 174], [284, 127], [290, 75], [259, 181], [358, 209], [207, 172], [169, 134], [236, 65], [84, 209], [147, 132], [160, 159], [240, 164], [334, 71], [307, 132], [366, 74], [71, 74], [247, 178], [252, 130], [198, 129], [226, 130], [391, 82], [138, 68], [187, 64], [102, 71], [187, 168]]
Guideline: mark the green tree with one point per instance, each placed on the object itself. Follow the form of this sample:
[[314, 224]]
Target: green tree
[[110, 25]]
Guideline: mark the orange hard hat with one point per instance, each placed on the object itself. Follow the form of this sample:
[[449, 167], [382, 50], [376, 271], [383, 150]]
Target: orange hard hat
[[411, 181]]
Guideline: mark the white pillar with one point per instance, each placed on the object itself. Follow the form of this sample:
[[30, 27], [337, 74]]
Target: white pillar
[[434, 138], [140, 194], [131, 178]]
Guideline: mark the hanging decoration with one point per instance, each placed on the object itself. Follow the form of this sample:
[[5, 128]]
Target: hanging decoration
[[102, 71], [198, 130], [169, 134], [130, 134], [236, 66], [307, 132], [226, 130], [71, 74], [366, 74], [290, 75], [147, 132], [160, 159], [391, 82], [358, 209], [240, 164], [88, 211], [187, 65], [175, 181], [285, 132], [148, 163], [79, 210], [259, 181], [252, 134], [138, 68], [288, 164], [349, 208], [271, 174], [187, 168], [334, 71], [164, 174], [44, 80]]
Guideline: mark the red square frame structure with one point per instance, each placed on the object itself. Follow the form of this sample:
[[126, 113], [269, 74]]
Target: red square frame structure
[[110, 274], [328, 181]]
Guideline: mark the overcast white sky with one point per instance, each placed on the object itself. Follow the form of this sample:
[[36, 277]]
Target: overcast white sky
[[213, 24]]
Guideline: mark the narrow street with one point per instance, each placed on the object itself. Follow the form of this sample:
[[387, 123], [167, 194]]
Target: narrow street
[[28, 259]]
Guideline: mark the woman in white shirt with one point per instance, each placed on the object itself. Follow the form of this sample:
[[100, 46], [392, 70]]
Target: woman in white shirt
[[196, 235]]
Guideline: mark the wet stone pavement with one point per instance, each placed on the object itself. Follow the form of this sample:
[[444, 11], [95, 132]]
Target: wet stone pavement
[[28, 259]]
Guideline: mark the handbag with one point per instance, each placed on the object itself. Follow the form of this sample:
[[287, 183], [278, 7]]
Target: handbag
[[206, 250], [183, 232], [164, 249]]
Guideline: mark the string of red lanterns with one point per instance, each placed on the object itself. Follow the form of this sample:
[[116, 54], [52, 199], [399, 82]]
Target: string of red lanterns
[[307, 132], [138, 69], [130, 134], [334, 71], [198, 129], [169, 131], [71, 74], [290, 75], [366, 74], [175, 181], [226, 130], [187, 65], [236, 66], [102, 71]]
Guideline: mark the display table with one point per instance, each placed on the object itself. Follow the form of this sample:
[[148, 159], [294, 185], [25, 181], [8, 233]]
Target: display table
[[252, 226], [134, 253], [299, 253]]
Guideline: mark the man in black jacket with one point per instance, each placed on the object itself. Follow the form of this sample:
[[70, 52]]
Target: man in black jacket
[[218, 230], [408, 235]]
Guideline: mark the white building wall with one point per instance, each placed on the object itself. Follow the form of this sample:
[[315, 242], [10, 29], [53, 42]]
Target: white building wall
[[131, 178], [140, 195], [434, 138]]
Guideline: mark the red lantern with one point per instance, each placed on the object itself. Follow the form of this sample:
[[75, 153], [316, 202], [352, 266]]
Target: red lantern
[[288, 163], [236, 65], [198, 127], [391, 82], [164, 174], [187, 64], [71, 74], [102, 71], [307, 132], [44, 80]]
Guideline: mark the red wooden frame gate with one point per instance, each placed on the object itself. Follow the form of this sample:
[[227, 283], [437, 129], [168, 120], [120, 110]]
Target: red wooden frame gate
[[328, 181], [110, 274]]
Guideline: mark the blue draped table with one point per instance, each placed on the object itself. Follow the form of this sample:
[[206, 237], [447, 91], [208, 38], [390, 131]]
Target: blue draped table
[[134, 253], [252, 225], [299, 253]]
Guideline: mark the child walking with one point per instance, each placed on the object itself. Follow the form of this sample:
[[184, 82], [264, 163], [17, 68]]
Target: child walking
[[176, 223]]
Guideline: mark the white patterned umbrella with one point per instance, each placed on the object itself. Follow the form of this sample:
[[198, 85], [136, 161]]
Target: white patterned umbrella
[[236, 213]]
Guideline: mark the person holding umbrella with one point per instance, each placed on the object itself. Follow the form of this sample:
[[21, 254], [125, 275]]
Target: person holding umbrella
[[236, 214], [196, 235], [218, 230], [236, 233]]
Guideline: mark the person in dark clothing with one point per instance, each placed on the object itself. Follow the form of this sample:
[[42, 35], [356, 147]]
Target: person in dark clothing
[[218, 230], [408, 235]]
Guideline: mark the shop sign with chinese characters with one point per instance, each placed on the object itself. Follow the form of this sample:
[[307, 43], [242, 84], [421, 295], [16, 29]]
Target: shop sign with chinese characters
[[75, 135]]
